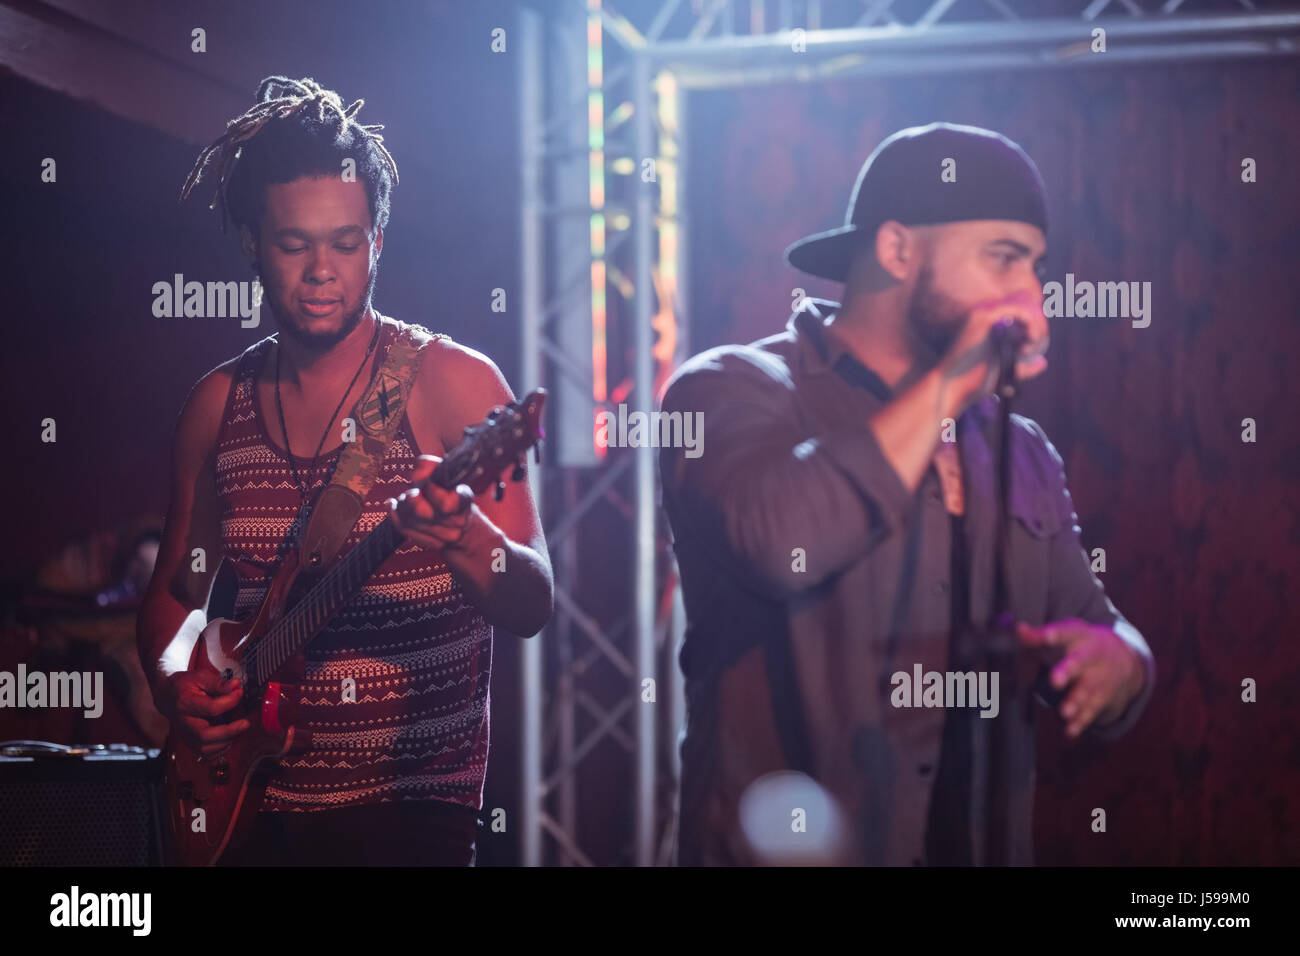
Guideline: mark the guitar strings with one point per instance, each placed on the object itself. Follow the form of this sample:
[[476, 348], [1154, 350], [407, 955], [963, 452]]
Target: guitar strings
[[287, 634]]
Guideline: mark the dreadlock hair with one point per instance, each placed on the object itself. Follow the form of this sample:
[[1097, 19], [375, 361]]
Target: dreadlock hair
[[297, 128]]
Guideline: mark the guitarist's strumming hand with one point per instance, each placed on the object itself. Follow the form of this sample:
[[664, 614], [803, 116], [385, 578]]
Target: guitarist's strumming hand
[[189, 699]]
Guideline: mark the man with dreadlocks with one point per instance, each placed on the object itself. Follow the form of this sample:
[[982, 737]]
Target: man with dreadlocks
[[395, 777]]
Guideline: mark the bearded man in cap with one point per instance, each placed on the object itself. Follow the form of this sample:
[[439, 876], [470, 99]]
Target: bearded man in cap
[[837, 540]]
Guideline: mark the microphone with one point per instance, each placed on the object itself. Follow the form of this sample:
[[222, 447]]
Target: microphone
[[1007, 335]]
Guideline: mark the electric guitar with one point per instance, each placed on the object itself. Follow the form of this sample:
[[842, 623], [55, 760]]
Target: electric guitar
[[212, 799]]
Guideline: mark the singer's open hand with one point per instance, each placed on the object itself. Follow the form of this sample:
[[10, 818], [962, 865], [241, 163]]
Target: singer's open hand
[[1103, 672]]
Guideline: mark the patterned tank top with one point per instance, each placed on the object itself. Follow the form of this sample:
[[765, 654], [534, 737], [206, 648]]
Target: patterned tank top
[[420, 654]]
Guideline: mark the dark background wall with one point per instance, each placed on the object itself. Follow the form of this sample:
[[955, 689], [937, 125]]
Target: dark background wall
[[1201, 531]]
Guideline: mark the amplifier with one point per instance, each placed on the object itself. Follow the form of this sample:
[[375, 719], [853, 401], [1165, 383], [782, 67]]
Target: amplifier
[[92, 805]]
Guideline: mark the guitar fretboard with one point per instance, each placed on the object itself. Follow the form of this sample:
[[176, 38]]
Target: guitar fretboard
[[310, 615], [486, 450]]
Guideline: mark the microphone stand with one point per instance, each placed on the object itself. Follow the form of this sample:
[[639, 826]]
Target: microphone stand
[[1002, 644]]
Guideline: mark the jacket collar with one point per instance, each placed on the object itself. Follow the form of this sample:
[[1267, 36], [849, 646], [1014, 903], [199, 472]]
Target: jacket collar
[[822, 353]]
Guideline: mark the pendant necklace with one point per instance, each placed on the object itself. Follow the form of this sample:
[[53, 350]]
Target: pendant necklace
[[304, 487]]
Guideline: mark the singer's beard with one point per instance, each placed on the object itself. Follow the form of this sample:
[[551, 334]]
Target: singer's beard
[[933, 319]]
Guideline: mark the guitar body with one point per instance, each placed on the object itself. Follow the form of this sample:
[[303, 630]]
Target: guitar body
[[212, 800]]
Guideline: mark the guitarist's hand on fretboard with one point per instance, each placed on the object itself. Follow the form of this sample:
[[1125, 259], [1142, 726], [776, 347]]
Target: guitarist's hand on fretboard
[[433, 516], [428, 514]]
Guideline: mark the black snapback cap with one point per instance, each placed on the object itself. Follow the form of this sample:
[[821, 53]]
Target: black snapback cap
[[903, 180]]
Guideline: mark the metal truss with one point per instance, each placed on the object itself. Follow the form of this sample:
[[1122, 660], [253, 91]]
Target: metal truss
[[715, 43], [601, 123], [592, 210]]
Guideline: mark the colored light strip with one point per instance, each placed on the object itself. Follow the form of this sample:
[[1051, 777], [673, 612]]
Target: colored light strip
[[665, 320], [596, 186]]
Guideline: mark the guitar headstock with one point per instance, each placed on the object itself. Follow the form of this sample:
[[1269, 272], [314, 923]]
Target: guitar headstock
[[490, 446]]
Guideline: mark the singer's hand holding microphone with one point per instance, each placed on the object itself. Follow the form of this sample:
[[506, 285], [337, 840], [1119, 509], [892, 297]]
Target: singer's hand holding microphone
[[971, 364]]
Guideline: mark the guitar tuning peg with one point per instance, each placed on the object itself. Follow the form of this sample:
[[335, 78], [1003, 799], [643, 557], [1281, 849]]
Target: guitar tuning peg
[[537, 453], [517, 474], [500, 491]]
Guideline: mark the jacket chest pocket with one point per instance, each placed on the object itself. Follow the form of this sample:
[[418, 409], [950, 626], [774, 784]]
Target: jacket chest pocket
[[1035, 522]]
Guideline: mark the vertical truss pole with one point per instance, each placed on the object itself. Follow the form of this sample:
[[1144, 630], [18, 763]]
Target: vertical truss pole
[[677, 626], [530, 302], [565, 689], [644, 570]]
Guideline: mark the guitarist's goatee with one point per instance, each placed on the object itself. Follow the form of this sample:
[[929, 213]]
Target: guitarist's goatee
[[323, 341]]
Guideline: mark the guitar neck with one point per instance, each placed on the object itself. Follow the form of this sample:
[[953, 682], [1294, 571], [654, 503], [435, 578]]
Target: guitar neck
[[327, 597], [489, 447]]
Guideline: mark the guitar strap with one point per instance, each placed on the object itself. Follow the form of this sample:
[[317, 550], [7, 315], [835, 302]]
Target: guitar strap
[[377, 415]]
